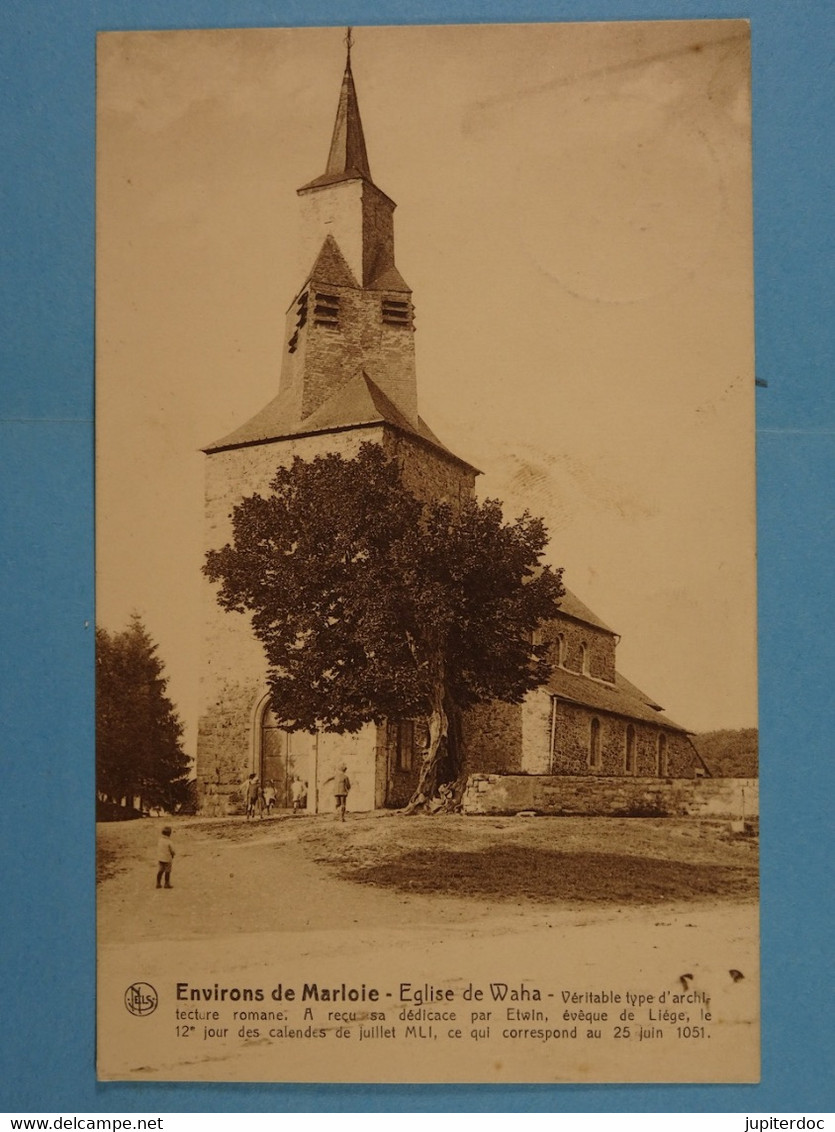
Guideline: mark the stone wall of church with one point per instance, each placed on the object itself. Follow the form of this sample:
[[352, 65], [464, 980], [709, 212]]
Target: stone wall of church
[[492, 736], [600, 647], [328, 357], [224, 745], [315, 759], [335, 210], [427, 473], [359, 216], [378, 232], [362, 754], [332, 355], [507, 738], [572, 738], [391, 363], [536, 732]]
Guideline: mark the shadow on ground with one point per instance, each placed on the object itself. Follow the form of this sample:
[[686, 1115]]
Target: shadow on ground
[[512, 873]]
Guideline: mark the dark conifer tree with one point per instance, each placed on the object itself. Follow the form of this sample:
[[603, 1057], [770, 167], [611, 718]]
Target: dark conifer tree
[[138, 733]]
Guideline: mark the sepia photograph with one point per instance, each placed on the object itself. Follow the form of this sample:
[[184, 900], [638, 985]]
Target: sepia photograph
[[426, 686]]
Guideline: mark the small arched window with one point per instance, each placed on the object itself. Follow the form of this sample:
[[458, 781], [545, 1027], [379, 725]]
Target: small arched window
[[595, 758], [559, 650], [630, 760], [662, 756], [584, 658]]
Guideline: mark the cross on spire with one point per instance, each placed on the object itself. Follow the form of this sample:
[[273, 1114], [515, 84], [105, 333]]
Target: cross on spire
[[347, 157]]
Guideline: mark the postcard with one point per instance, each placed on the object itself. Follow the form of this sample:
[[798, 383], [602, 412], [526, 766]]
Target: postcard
[[426, 621]]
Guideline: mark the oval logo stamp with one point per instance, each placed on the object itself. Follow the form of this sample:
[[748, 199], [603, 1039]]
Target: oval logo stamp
[[141, 999]]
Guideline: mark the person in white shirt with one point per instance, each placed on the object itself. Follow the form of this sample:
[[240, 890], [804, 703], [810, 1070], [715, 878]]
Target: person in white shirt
[[165, 857]]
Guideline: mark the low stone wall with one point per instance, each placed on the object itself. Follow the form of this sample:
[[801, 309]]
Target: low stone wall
[[220, 801], [612, 797]]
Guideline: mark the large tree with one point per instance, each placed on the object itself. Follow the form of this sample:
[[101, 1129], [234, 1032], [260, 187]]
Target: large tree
[[373, 605], [138, 733]]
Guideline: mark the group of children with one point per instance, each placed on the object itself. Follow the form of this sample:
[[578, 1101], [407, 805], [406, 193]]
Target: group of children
[[257, 798]]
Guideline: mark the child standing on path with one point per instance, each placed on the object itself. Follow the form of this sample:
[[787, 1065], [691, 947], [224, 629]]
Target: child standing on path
[[165, 855]]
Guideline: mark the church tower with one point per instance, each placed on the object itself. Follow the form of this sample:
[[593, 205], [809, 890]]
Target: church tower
[[347, 377]]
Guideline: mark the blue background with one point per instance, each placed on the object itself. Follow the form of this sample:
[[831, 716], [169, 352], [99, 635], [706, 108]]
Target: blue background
[[47, 143]]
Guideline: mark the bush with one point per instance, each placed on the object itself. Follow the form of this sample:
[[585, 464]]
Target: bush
[[111, 811]]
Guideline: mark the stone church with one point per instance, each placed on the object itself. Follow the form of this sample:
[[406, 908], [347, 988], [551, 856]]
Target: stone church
[[348, 377]]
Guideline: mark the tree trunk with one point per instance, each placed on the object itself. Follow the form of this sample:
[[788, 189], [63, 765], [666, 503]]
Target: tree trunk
[[441, 767]]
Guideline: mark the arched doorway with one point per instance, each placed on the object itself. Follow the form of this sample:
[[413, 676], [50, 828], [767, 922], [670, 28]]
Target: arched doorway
[[283, 755]]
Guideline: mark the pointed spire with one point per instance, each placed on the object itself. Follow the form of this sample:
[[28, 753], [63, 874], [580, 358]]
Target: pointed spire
[[347, 155]]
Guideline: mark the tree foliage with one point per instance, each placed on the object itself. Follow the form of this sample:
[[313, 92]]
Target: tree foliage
[[138, 732], [373, 605], [728, 753]]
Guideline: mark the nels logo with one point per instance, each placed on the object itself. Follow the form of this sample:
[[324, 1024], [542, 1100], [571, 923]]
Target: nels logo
[[141, 999]]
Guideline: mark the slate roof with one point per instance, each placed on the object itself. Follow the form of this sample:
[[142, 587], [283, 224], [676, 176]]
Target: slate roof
[[347, 158], [632, 690], [330, 267], [621, 698], [389, 279], [571, 606], [358, 404]]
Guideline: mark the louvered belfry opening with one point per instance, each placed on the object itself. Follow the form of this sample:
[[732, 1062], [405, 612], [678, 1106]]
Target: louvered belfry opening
[[326, 310], [397, 312], [301, 319]]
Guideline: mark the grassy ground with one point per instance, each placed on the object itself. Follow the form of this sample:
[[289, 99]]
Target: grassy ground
[[595, 860], [542, 859]]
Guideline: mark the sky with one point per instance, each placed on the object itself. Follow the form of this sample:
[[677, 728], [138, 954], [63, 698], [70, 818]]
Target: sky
[[574, 217]]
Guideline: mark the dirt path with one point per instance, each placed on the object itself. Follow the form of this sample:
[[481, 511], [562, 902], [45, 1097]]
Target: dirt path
[[311, 874], [263, 880]]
